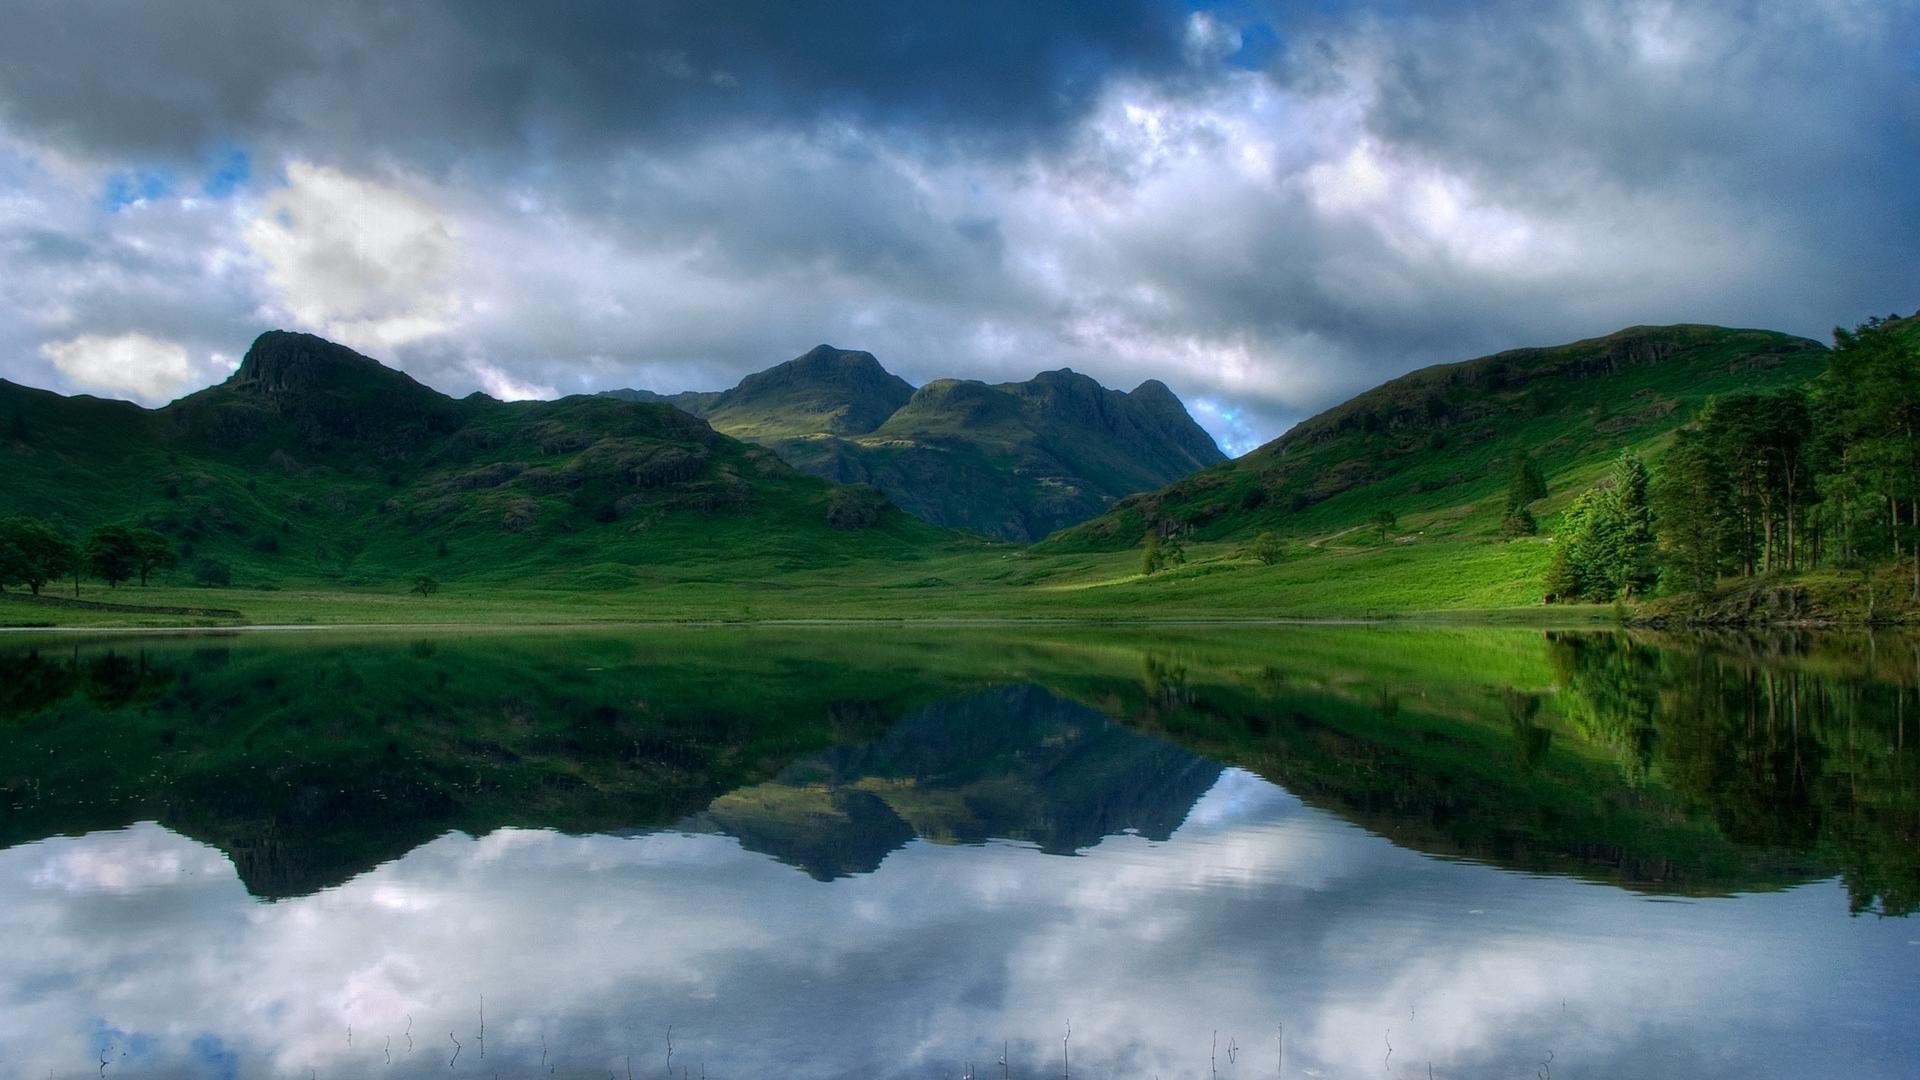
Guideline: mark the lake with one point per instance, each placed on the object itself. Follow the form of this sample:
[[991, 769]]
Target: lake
[[1307, 851]]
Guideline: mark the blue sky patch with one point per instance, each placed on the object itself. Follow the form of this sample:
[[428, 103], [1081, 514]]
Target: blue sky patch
[[123, 189], [230, 172]]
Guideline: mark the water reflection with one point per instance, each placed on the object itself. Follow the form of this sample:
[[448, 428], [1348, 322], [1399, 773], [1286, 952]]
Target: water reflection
[[631, 811]]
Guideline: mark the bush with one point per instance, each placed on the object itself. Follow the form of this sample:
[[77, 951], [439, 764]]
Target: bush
[[212, 572]]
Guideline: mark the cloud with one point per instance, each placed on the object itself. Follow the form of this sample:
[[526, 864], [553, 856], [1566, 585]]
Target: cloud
[[132, 364], [367, 263], [1270, 207], [501, 385]]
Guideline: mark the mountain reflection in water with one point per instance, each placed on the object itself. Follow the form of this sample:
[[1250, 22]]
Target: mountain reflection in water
[[597, 835]]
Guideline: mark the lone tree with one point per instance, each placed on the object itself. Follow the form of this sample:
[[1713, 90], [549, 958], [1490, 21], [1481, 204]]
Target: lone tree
[[1526, 487], [426, 585], [32, 553], [1160, 554], [1265, 548], [1384, 520], [112, 553]]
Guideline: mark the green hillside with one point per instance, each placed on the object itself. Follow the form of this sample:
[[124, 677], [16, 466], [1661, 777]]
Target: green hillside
[[1437, 447], [1014, 460], [313, 464]]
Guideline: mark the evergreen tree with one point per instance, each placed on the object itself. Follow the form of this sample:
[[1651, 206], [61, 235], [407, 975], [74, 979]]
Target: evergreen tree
[[1526, 487], [1604, 550], [1694, 531]]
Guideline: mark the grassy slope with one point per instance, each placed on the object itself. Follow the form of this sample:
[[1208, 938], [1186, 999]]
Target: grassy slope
[[1438, 446]]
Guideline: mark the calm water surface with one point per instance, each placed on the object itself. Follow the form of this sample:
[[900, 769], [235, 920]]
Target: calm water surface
[[1309, 852]]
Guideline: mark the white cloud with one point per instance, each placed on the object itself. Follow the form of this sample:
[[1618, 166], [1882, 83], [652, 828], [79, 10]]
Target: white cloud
[[499, 384], [365, 262], [147, 368]]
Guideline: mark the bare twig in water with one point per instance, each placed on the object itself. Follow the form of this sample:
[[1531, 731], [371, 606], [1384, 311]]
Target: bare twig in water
[[669, 1052], [1213, 1055], [409, 1033], [481, 1037], [388, 1049], [456, 1050], [1388, 1060], [1066, 1068]]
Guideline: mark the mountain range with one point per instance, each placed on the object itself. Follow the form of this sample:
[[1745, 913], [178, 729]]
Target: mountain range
[[313, 462], [315, 465], [1014, 461]]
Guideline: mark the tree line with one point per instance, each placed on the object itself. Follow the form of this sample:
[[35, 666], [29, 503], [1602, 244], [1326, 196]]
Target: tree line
[[1825, 475], [34, 553]]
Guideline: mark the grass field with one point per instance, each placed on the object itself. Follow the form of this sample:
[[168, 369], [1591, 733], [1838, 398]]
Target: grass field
[[1412, 578]]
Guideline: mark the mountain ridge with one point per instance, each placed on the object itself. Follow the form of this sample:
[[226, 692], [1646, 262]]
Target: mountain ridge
[[1014, 460]]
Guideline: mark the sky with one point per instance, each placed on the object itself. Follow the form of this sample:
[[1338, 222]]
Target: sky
[[1171, 959], [1268, 206]]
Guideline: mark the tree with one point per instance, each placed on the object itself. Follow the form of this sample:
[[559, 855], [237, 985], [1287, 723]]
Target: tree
[[1526, 487], [1868, 407], [212, 572], [1604, 550], [1519, 521], [426, 585], [1150, 555], [112, 553], [1384, 520], [1264, 548], [1161, 553], [1632, 548], [41, 552], [1694, 529], [151, 552]]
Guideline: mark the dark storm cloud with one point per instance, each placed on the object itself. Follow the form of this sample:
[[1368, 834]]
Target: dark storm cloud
[[1268, 206], [437, 82]]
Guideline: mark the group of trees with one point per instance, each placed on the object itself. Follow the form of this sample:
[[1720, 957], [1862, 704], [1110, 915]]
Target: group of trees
[[1825, 475], [34, 553]]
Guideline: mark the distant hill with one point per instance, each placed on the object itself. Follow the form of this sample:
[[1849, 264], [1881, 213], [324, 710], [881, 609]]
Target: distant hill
[[1441, 443], [315, 463], [1013, 460]]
